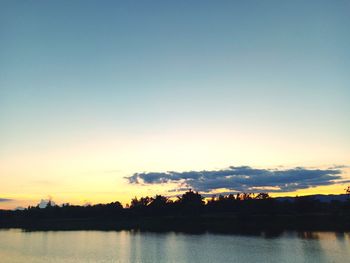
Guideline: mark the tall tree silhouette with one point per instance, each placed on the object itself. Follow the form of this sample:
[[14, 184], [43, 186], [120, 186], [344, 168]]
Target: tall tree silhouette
[[159, 201], [191, 198], [191, 202], [140, 203]]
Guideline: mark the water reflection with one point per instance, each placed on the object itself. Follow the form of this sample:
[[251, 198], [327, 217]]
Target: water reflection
[[132, 246], [308, 235]]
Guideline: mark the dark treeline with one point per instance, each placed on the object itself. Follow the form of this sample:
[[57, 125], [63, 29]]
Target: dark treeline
[[244, 212]]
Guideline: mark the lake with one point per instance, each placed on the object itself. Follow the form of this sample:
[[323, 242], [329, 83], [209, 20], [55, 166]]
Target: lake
[[129, 246]]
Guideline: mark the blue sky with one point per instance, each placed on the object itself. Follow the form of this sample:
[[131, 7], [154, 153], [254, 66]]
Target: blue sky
[[91, 70]]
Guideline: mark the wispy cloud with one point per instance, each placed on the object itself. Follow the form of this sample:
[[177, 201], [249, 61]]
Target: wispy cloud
[[244, 179], [6, 200]]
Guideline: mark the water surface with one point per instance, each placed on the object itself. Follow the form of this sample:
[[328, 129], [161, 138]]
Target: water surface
[[127, 246]]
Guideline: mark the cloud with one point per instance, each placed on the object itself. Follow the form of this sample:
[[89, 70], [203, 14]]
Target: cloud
[[5, 200], [244, 179]]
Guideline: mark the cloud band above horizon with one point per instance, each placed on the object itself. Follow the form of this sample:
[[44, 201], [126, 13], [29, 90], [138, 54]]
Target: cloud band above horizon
[[243, 179], [5, 200]]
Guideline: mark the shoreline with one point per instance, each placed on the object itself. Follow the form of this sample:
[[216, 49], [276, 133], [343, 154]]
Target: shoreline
[[231, 224]]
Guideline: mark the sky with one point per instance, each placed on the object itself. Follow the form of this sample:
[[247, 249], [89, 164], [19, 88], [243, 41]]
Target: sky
[[107, 100]]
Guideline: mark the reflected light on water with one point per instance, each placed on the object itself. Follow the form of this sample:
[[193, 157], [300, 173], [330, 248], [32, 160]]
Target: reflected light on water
[[131, 246]]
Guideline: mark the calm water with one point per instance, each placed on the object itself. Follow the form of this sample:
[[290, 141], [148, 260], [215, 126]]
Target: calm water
[[125, 246]]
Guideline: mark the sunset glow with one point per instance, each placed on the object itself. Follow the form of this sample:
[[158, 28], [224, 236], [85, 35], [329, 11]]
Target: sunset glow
[[92, 94]]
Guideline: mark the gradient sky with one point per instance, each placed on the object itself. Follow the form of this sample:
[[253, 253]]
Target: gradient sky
[[94, 91]]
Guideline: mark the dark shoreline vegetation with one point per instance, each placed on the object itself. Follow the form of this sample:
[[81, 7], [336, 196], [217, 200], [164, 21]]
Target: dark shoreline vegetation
[[241, 213]]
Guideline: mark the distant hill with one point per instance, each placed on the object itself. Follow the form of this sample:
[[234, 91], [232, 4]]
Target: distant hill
[[319, 197]]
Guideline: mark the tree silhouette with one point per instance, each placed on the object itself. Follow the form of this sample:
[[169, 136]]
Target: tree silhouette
[[191, 198], [49, 204], [158, 201], [140, 203], [222, 213]]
